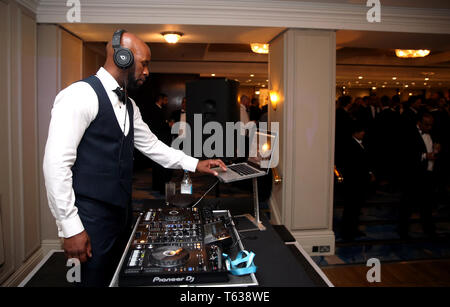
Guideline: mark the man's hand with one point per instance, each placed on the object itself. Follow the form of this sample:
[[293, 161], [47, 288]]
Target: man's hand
[[206, 165], [78, 246]]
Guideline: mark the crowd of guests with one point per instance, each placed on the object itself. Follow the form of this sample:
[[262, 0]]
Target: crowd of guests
[[398, 146]]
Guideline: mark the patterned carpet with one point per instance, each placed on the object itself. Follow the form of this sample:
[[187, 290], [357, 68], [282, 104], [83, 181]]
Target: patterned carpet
[[378, 221]]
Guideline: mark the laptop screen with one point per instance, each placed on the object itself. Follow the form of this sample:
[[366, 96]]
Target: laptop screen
[[262, 149]]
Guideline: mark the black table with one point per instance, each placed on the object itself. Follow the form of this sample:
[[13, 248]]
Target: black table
[[279, 265]]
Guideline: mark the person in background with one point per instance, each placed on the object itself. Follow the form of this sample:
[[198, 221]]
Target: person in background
[[357, 175], [419, 154], [179, 116], [159, 125], [343, 128], [254, 110], [384, 147], [244, 104]]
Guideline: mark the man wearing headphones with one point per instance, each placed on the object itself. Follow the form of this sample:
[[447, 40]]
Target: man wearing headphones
[[88, 160]]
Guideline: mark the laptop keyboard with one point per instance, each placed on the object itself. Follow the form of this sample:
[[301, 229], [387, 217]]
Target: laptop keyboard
[[242, 169]]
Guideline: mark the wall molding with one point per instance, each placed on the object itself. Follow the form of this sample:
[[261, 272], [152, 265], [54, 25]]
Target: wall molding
[[22, 272], [309, 238], [275, 216], [292, 14], [31, 5]]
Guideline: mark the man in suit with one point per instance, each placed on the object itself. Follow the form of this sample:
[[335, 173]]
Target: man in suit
[[88, 161], [357, 176], [384, 142], [419, 154], [343, 128], [160, 126], [411, 113]]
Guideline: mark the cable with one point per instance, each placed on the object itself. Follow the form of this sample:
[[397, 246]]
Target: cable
[[215, 183], [125, 120]]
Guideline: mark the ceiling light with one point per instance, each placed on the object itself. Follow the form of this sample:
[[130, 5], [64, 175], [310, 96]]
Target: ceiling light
[[172, 37], [426, 79], [403, 53], [406, 85], [360, 77], [213, 75], [252, 75], [374, 88], [394, 78], [260, 48]]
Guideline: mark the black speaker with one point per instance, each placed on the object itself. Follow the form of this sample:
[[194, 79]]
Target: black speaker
[[215, 99]]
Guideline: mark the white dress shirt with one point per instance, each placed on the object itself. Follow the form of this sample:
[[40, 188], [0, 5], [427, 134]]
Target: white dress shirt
[[74, 109], [182, 130], [429, 145]]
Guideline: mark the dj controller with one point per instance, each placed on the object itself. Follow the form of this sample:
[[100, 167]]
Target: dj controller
[[177, 246]]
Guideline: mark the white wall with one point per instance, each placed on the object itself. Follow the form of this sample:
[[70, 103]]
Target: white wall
[[302, 69], [19, 180], [59, 59]]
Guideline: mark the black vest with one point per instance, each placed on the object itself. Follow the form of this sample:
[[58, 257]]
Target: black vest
[[103, 169]]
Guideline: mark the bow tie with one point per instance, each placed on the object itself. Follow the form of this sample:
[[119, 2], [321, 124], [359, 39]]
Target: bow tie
[[120, 93]]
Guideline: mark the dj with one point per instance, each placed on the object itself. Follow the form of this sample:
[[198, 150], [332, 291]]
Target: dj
[[88, 160]]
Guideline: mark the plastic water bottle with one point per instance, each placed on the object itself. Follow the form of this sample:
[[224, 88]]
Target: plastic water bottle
[[186, 184]]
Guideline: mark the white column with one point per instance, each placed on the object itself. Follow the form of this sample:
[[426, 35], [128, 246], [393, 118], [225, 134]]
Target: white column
[[302, 66], [60, 62]]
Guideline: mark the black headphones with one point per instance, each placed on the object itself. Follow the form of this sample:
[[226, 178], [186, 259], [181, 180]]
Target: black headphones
[[123, 57]]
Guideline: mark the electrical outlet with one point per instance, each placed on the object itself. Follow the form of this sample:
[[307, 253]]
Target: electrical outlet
[[324, 249]]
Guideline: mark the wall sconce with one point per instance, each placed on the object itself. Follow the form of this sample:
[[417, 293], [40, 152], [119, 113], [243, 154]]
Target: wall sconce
[[274, 98]]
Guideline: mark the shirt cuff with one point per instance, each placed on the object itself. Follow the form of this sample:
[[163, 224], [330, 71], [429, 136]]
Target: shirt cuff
[[70, 227], [190, 163]]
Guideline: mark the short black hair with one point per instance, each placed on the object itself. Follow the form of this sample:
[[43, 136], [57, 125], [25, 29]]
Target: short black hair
[[357, 126], [160, 96]]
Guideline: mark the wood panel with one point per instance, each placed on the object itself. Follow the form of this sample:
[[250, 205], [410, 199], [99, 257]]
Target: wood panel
[[5, 154], [29, 127]]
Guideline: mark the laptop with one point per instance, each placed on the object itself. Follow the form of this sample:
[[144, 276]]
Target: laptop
[[258, 163]]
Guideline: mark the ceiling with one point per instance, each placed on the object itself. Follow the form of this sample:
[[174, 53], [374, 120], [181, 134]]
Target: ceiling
[[225, 52], [192, 33], [430, 4]]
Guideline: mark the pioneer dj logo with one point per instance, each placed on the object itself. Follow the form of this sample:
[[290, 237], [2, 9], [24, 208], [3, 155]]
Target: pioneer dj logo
[[187, 279]]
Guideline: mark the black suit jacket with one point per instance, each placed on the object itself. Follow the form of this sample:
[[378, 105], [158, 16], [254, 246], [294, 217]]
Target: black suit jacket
[[158, 124], [413, 148], [356, 166]]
